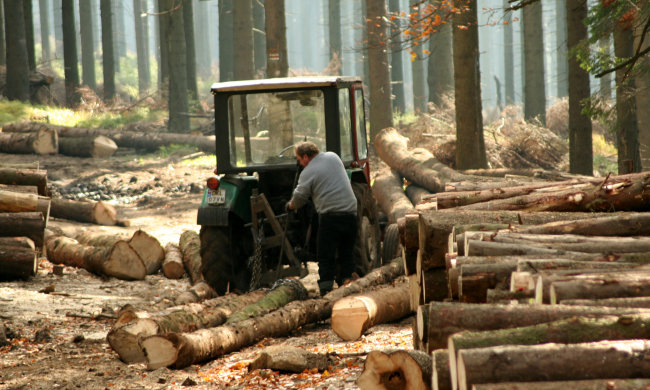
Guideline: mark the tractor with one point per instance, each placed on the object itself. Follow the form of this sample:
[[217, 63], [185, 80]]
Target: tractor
[[248, 240]]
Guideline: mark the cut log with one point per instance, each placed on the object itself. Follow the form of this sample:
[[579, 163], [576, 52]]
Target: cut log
[[506, 296], [440, 379], [387, 190], [353, 316], [568, 331], [475, 279], [626, 224], [43, 141], [11, 201], [541, 174], [172, 266], [587, 384], [90, 146], [416, 194], [190, 246], [409, 237], [490, 248], [18, 258], [604, 359], [574, 243], [396, 370], [640, 302], [27, 224], [444, 319], [180, 350], [283, 292], [25, 177], [119, 260], [435, 285], [21, 189], [124, 338], [199, 291], [634, 283], [99, 213], [289, 359], [35, 165]]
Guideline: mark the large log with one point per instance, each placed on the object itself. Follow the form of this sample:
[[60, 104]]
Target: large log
[[18, 258], [119, 260], [444, 319], [491, 248], [440, 378], [172, 266], [27, 224], [387, 190], [283, 292], [11, 201], [625, 224], [25, 177], [100, 213], [190, 246], [515, 363], [640, 302], [180, 350], [573, 242], [43, 141], [586, 384], [128, 139], [124, 339], [600, 286], [90, 146], [352, 316], [568, 331], [396, 370]]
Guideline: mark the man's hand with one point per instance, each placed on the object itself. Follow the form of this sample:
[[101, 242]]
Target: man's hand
[[288, 207]]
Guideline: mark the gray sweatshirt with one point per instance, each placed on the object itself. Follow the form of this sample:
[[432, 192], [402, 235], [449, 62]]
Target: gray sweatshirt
[[327, 182]]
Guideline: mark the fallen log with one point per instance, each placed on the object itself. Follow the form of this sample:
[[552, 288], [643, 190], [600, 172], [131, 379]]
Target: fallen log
[[416, 194], [621, 224], [289, 359], [18, 258], [180, 350], [640, 302], [353, 316], [387, 190], [43, 141], [620, 284], [198, 292], [25, 177], [440, 378], [444, 319], [568, 331], [124, 338], [100, 213], [190, 246], [119, 260], [27, 224], [586, 384], [573, 242], [35, 165], [403, 369], [540, 174], [172, 266], [11, 201], [491, 248], [90, 146], [603, 359]]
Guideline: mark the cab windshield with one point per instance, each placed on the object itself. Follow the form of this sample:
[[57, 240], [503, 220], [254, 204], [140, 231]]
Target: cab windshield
[[264, 126]]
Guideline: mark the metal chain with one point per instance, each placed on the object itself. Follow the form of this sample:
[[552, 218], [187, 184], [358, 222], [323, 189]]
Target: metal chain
[[255, 261]]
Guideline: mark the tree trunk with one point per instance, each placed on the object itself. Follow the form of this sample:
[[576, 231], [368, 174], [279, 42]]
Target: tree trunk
[[45, 141], [17, 78], [172, 266], [99, 213], [387, 190], [396, 67], [28, 224], [25, 177], [381, 111], [352, 316], [277, 60], [440, 75], [226, 48], [580, 137], [108, 56], [418, 62], [119, 260], [190, 52], [490, 248], [470, 144], [259, 39], [3, 51], [175, 41], [141, 39], [29, 34], [18, 258], [508, 55], [243, 32], [93, 146], [124, 338], [604, 359], [402, 369], [71, 63], [190, 246], [534, 87], [86, 29]]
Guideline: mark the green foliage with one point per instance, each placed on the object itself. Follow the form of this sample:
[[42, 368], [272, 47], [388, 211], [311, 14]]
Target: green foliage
[[404, 118], [12, 111]]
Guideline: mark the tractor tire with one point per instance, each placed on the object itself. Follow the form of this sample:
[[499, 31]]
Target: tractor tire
[[391, 248], [368, 244], [221, 265]]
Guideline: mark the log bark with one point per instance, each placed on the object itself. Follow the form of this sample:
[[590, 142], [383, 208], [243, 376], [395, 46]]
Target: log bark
[[180, 350], [18, 258], [283, 292], [99, 213], [440, 379], [124, 338], [621, 224], [587, 384], [25, 177], [475, 279], [540, 265], [172, 266], [640, 302], [119, 260], [44, 141], [90, 146], [353, 316], [445, 319], [568, 331], [387, 190], [408, 227], [600, 286], [490, 248], [539, 174], [129, 139], [198, 292], [416, 194], [396, 370], [604, 359], [574, 243], [12, 201], [507, 297], [190, 246], [145, 245], [27, 224]]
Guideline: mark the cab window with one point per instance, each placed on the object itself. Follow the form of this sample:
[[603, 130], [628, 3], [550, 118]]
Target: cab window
[[345, 125], [362, 142]]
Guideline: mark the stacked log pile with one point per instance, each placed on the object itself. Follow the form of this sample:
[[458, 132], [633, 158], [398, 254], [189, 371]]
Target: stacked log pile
[[547, 277], [24, 212]]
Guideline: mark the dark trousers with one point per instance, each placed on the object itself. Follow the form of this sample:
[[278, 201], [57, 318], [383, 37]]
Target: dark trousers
[[336, 232]]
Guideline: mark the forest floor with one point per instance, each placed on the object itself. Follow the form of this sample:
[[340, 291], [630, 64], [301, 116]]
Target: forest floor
[[57, 325]]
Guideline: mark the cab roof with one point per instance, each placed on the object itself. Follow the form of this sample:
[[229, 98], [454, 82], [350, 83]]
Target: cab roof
[[284, 83]]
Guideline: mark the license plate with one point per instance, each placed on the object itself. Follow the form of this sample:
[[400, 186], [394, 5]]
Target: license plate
[[217, 197]]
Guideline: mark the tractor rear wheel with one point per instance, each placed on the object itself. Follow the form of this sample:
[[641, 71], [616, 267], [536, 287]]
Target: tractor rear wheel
[[223, 265], [368, 244]]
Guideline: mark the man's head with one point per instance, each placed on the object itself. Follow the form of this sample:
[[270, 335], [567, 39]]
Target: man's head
[[305, 152]]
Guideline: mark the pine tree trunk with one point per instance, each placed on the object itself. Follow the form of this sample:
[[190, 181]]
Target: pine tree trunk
[[226, 39], [190, 49], [243, 33], [87, 44], [381, 111], [534, 87], [141, 38], [175, 41], [277, 60], [108, 55], [17, 87]]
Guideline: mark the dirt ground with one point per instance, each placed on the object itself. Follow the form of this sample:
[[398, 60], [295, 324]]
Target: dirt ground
[[57, 325]]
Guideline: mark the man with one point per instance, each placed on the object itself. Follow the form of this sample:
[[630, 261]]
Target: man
[[325, 180]]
